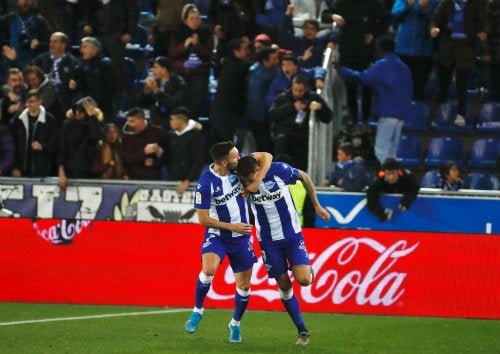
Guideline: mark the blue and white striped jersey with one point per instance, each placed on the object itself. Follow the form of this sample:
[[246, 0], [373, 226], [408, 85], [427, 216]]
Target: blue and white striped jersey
[[275, 215], [222, 196]]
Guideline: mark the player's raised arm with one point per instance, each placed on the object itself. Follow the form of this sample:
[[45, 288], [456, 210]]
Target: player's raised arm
[[311, 192], [206, 220], [264, 160]]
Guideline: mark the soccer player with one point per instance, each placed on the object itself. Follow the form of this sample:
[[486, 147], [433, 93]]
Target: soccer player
[[278, 229], [221, 207]]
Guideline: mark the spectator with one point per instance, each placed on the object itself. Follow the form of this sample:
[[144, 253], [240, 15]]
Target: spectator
[[13, 92], [308, 47], [113, 23], [143, 145], [450, 177], [259, 78], [25, 31], [348, 174], [190, 50], [391, 179], [260, 41], [184, 150], [413, 42], [460, 27], [108, 161], [60, 65], [360, 23], [35, 135], [269, 15], [96, 77], [289, 69], [162, 92], [232, 20], [494, 42], [80, 135], [36, 79], [7, 150], [290, 114], [231, 98], [168, 17], [391, 80]]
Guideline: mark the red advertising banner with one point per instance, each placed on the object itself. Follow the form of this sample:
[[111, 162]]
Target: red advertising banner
[[357, 271]]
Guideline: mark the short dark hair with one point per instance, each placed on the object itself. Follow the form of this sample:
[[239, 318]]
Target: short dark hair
[[182, 112], [40, 74], [33, 93], [300, 80], [347, 147], [136, 112], [290, 57], [390, 164], [311, 22], [220, 150], [386, 43], [444, 169], [164, 62], [265, 53], [246, 166], [234, 45]]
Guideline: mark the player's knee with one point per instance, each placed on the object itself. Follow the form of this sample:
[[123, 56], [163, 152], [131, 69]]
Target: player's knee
[[286, 294]]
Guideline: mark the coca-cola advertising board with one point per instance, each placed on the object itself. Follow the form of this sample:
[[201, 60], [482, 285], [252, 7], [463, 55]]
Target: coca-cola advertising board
[[356, 271]]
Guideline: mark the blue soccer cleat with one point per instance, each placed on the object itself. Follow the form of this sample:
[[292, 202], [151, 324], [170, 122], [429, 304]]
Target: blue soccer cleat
[[193, 322], [234, 334]]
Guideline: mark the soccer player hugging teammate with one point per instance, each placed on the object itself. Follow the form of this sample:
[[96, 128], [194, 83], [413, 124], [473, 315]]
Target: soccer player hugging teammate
[[278, 228], [221, 207]]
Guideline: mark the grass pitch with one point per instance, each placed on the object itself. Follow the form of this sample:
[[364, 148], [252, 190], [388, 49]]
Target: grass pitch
[[48, 328]]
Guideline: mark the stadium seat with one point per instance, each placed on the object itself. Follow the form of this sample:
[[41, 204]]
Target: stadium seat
[[145, 5], [489, 118], [445, 116], [418, 118], [138, 46], [431, 179], [409, 151], [484, 153], [482, 181], [444, 149]]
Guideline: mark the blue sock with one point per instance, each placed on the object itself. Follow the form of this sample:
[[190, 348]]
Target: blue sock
[[293, 309], [240, 303], [201, 292]]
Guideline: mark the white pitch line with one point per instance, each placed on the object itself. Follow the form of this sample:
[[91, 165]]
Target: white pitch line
[[94, 316]]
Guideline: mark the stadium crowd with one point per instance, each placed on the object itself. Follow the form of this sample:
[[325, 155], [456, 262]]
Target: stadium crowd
[[137, 89]]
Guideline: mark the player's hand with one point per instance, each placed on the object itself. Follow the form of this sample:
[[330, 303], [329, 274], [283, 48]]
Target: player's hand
[[322, 213], [242, 228]]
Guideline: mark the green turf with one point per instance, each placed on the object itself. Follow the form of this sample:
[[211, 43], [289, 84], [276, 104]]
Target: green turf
[[262, 332]]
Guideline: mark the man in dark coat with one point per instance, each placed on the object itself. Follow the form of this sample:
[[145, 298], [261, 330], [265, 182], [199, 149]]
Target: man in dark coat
[[391, 179], [290, 114]]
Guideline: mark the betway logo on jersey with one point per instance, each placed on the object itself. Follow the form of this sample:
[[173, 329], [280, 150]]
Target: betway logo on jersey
[[228, 196], [262, 198]]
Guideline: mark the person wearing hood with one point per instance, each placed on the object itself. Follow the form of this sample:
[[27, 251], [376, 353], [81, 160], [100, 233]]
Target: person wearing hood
[[35, 134], [80, 135], [184, 149]]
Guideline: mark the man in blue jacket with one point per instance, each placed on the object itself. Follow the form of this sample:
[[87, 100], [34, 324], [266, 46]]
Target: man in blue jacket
[[392, 84]]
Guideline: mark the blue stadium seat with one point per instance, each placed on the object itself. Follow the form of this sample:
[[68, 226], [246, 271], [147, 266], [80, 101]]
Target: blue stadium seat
[[489, 118], [446, 114], [145, 5], [418, 118], [431, 179], [409, 151], [484, 152], [482, 181], [138, 46], [444, 149]]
